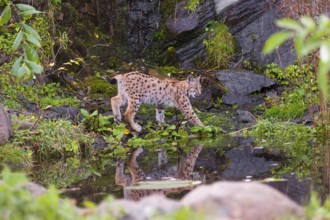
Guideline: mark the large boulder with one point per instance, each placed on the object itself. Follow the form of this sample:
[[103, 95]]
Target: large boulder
[[240, 200], [240, 84], [5, 125], [221, 200]]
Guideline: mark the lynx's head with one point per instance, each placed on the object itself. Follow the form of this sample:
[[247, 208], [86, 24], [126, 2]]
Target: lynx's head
[[194, 86]]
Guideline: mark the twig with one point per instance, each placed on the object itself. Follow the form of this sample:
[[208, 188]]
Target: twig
[[238, 131]]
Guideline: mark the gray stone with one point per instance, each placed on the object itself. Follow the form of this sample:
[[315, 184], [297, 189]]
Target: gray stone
[[245, 116], [34, 188], [5, 125], [143, 21], [240, 84], [240, 200], [188, 30], [146, 208]]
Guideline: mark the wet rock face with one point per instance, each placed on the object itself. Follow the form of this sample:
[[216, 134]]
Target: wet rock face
[[5, 125], [142, 21], [252, 22], [188, 31], [240, 84]]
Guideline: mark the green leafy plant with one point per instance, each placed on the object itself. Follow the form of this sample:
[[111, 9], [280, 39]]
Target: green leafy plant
[[114, 141], [27, 40], [295, 75], [207, 131], [16, 201], [96, 121]]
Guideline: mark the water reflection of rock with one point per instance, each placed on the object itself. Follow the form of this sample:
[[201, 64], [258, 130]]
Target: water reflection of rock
[[297, 190], [163, 172], [244, 163]]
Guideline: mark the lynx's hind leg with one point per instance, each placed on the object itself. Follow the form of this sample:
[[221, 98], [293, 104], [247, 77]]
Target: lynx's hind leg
[[160, 117], [132, 108], [116, 102]]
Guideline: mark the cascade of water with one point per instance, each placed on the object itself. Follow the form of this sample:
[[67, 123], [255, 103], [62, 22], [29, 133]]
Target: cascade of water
[[222, 4]]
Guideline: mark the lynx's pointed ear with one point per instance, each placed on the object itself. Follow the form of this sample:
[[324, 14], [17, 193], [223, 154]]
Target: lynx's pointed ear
[[190, 79], [198, 78]]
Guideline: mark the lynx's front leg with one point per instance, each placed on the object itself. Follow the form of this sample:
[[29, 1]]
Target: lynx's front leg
[[132, 108], [187, 110]]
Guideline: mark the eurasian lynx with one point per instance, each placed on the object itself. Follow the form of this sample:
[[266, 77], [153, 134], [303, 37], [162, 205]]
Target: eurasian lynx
[[135, 88]]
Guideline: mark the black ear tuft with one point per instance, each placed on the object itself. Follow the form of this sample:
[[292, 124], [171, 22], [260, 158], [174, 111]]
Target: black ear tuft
[[190, 78], [113, 80]]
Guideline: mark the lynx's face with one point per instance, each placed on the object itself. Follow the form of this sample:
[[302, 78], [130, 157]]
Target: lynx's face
[[195, 88]]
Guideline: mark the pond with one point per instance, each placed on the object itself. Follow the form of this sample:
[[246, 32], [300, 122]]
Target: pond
[[198, 161]]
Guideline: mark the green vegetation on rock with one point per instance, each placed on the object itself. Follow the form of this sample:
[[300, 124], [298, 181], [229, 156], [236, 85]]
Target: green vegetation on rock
[[220, 45]]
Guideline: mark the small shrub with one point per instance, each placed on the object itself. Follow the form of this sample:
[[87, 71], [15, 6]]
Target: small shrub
[[294, 106], [220, 46], [301, 76], [61, 138]]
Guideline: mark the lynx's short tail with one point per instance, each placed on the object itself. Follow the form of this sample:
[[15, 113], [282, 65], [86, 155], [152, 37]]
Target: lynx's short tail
[[115, 79]]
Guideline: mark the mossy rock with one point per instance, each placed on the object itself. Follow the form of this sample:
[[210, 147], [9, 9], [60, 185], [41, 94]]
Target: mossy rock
[[100, 88]]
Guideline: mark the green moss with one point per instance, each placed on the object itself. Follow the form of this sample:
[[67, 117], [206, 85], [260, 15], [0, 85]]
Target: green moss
[[99, 87], [168, 7], [169, 71], [41, 94], [7, 40], [170, 56], [42, 25]]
